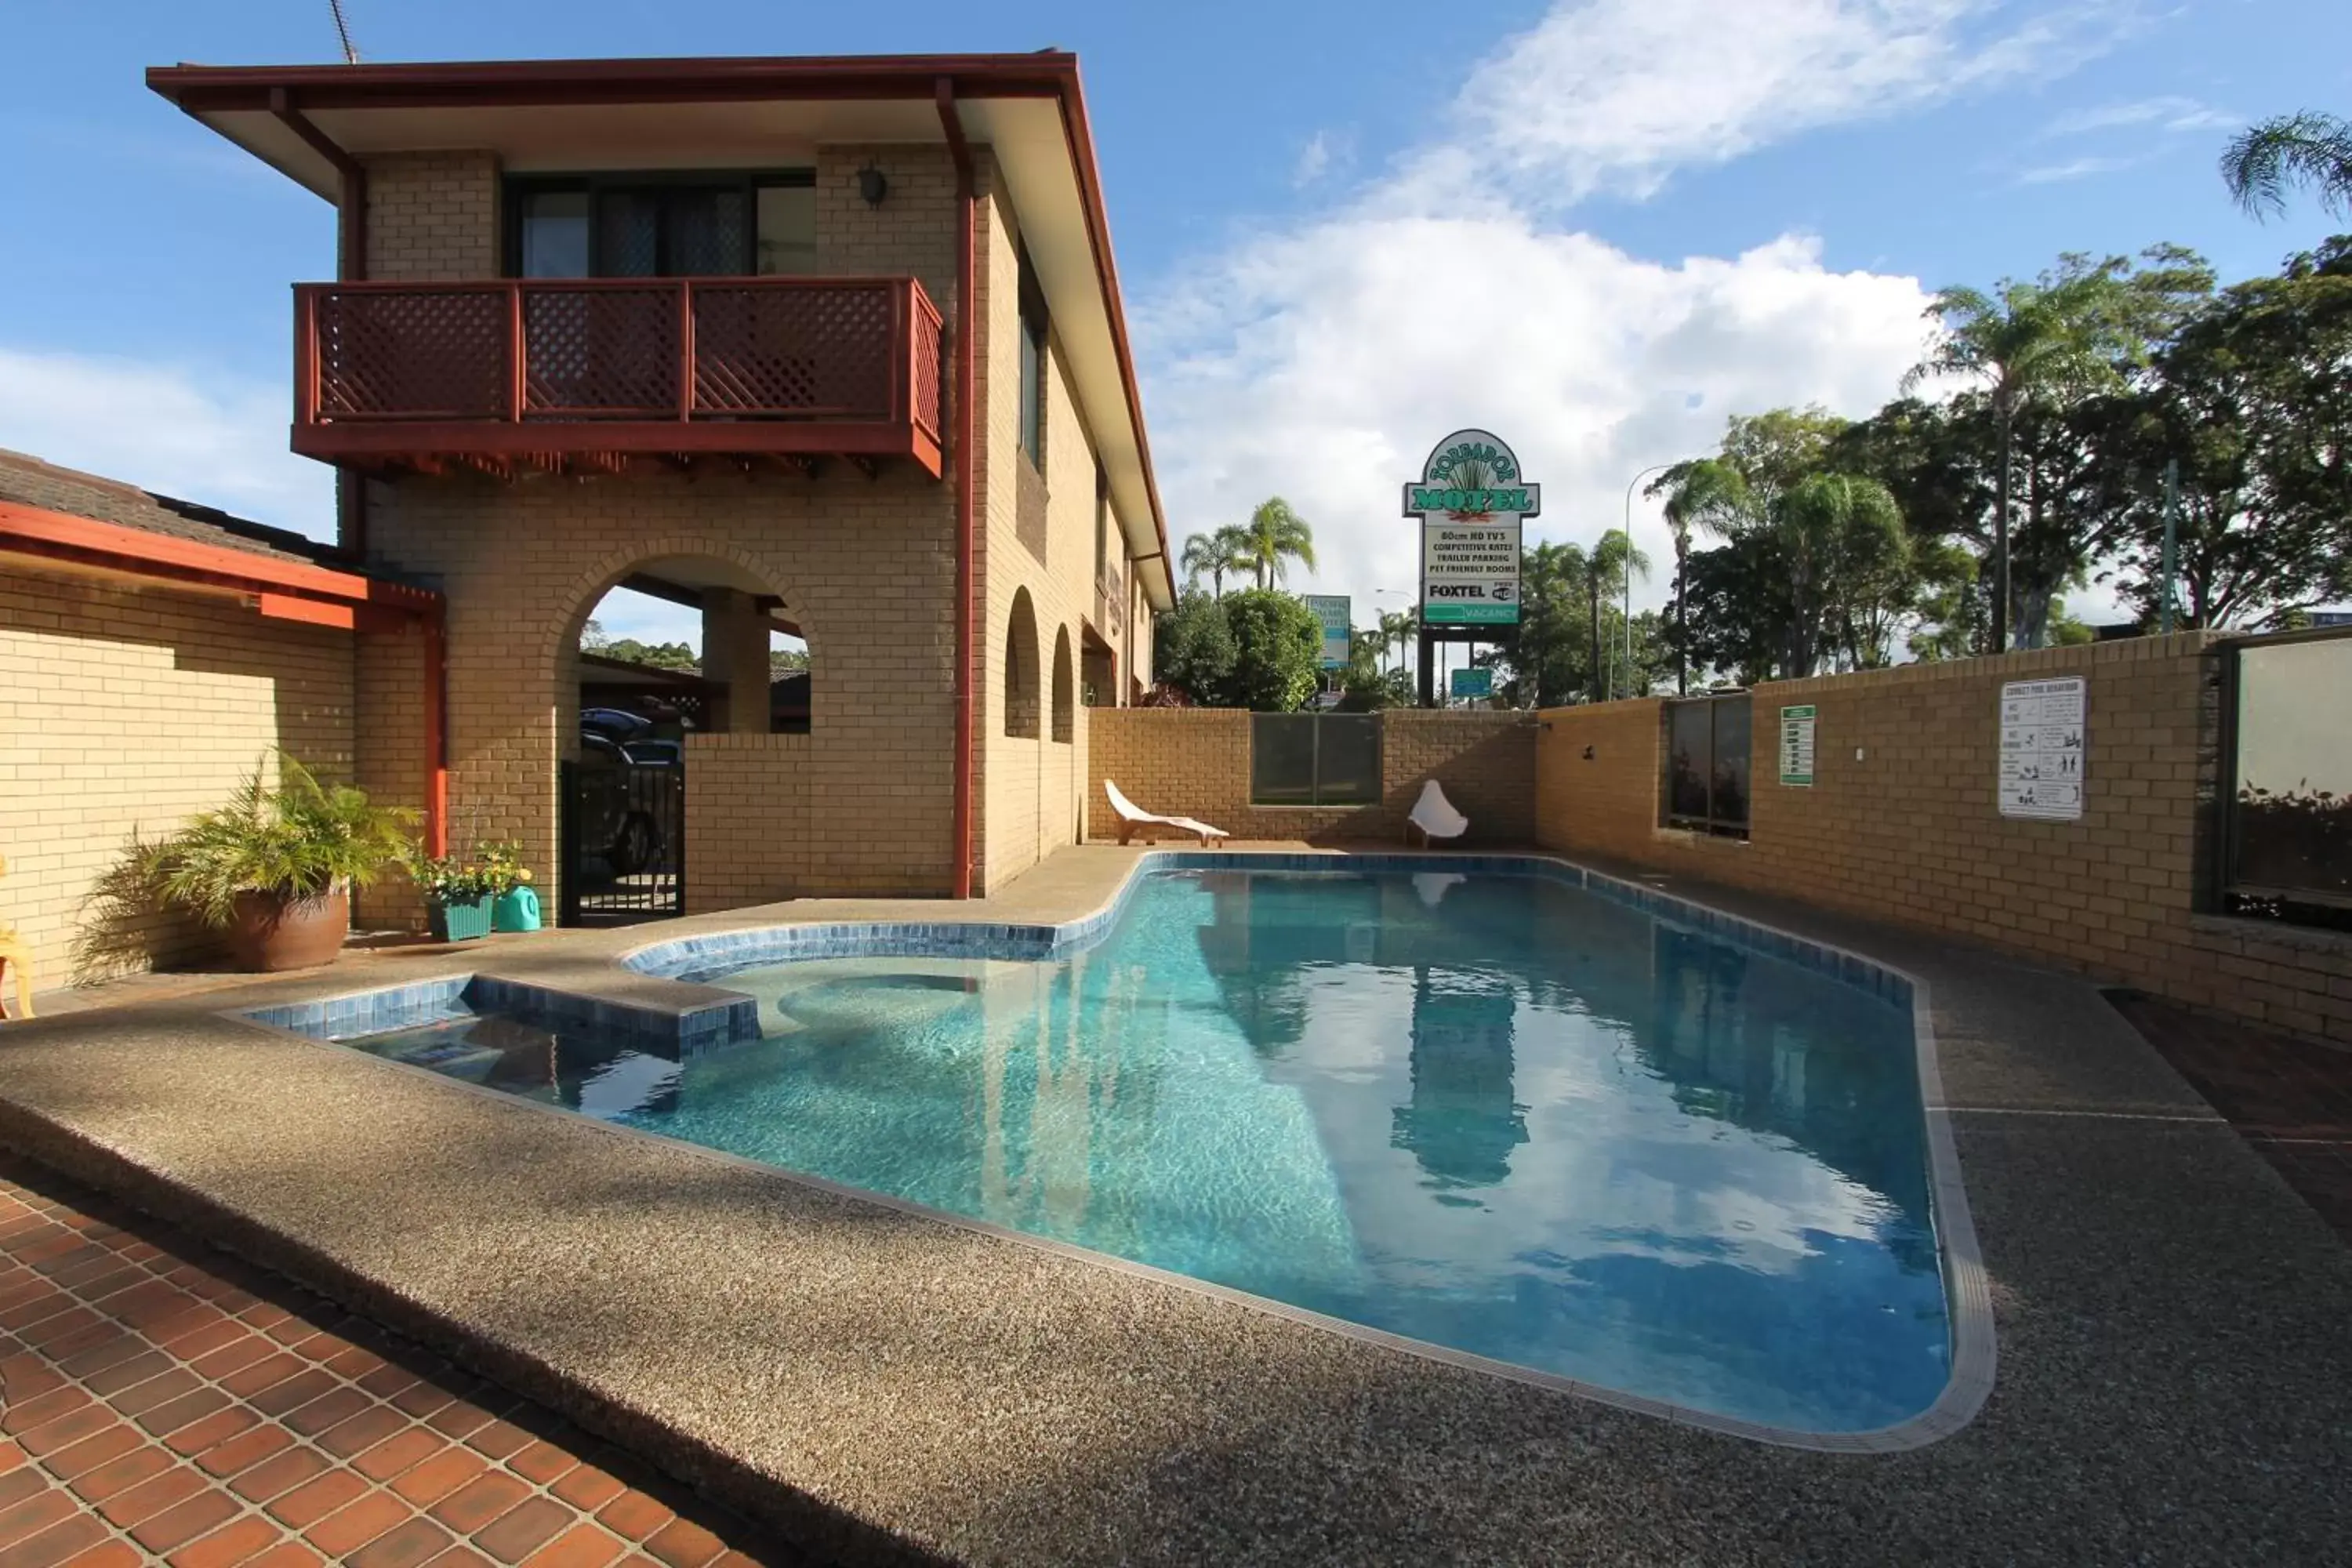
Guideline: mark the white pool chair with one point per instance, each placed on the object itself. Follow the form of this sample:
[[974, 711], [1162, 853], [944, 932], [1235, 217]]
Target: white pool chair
[[1133, 817], [1435, 817]]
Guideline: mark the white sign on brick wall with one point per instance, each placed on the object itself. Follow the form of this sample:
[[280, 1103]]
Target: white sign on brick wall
[[2042, 747]]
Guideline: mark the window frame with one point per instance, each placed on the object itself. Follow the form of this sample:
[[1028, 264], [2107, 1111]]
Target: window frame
[[1316, 796], [516, 189], [1036, 363], [1710, 821]]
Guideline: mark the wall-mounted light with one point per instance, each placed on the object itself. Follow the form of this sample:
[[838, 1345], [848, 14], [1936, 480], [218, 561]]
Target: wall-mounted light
[[873, 185]]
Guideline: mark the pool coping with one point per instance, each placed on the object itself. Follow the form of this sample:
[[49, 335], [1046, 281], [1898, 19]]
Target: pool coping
[[1968, 1290]]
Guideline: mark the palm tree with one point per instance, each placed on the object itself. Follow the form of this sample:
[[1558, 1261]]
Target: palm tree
[[2063, 335], [1709, 494], [1613, 555], [1213, 555], [2263, 160], [1273, 536], [1396, 626], [1839, 536]]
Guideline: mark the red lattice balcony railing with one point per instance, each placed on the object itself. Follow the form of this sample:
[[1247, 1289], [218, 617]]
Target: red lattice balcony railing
[[530, 369]]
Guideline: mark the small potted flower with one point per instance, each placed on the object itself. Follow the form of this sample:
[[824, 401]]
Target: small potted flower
[[458, 895], [514, 906]]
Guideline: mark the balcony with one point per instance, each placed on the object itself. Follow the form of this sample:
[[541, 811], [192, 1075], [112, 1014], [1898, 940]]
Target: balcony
[[602, 374]]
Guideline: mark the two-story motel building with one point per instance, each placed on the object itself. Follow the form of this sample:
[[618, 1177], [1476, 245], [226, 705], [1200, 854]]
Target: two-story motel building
[[701, 327]]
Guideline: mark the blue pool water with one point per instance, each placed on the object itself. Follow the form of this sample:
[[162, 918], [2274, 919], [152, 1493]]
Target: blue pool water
[[1496, 1113]]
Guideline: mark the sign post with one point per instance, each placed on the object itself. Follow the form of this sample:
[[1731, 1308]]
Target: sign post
[[1471, 499]]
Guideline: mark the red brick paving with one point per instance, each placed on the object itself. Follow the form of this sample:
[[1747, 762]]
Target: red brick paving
[[160, 1401], [2291, 1098]]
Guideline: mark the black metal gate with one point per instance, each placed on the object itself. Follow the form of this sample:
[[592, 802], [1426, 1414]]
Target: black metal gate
[[622, 828]]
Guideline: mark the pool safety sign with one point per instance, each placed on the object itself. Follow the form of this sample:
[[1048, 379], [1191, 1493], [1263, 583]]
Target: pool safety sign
[[2042, 749], [1470, 500], [1797, 745], [1332, 611]]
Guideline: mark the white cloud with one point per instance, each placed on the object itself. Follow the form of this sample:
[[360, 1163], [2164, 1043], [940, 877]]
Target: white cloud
[[1314, 160], [2072, 169], [1356, 344], [198, 435], [2165, 114], [1319, 360], [1615, 95]]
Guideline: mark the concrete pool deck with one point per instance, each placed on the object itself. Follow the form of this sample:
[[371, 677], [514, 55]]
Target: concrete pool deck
[[2175, 1376]]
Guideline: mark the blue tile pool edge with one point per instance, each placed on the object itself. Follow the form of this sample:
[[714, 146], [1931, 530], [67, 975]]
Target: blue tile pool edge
[[348, 1017], [1968, 1296]]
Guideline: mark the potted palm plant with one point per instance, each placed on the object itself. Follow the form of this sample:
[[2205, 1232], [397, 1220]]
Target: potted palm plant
[[273, 869]]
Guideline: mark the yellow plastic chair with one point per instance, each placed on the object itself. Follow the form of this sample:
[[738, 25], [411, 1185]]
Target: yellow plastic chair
[[16, 952]]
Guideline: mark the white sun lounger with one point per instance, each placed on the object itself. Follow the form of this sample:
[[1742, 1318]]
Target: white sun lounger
[[1132, 818], [1435, 817]]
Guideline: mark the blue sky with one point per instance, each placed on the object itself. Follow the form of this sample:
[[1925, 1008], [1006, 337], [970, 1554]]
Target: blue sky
[[1598, 226]]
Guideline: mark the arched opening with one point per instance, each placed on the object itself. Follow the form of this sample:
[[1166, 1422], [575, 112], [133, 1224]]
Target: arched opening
[[1064, 690], [674, 647], [1021, 687]]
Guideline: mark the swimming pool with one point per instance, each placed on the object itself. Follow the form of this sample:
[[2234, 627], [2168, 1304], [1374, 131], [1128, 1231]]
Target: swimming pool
[[1501, 1114]]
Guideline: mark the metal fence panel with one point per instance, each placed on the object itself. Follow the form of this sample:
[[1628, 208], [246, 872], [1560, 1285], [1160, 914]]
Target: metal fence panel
[[1282, 759], [1346, 759], [1314, 759]]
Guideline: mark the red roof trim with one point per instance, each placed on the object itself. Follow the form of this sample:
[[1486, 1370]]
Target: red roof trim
[[432, 84], [36, 531]]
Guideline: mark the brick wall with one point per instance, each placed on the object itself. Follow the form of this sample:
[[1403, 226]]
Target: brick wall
[[433, 217], [750, 829], [1195, 762], [858, 562], [130, 709], [1037, 542], [1909, 830]]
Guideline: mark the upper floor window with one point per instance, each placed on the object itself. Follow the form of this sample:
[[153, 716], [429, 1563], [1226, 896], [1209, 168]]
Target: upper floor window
[[1102, 526], [662, 225], [1033, 326]]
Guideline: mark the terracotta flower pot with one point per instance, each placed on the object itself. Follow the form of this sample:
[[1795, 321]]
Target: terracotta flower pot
[[272, 932]]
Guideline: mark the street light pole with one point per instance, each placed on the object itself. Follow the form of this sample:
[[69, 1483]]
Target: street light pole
[[1645, 473]]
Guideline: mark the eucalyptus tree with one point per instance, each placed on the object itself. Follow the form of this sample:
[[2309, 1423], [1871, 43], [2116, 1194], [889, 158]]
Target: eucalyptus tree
[[2250, 399], [1847, 565], [1273, 537], [2308, 148], [1547, 657], [2076, 330]]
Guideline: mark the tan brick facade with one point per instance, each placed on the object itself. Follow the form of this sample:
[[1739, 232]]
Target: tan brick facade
[[130, 709], [1032, 798], [1195, 762], [1909, 830], [752, 832], [866, 567], [433, 217]]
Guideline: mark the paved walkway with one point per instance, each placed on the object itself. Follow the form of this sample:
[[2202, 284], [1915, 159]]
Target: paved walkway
[[2291, 1098], [159, 1400]]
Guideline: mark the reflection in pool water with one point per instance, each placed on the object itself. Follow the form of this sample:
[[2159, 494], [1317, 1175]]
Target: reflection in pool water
[[1496, 1113]]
